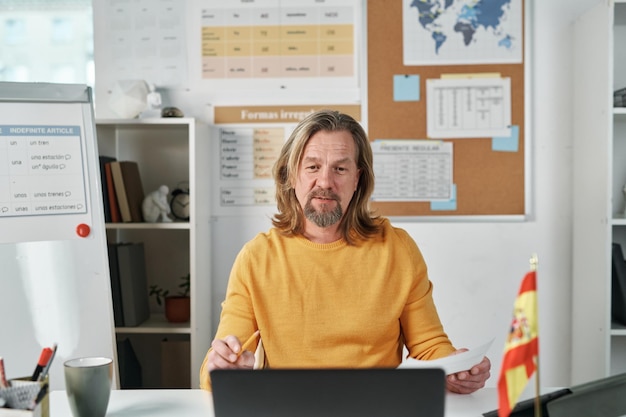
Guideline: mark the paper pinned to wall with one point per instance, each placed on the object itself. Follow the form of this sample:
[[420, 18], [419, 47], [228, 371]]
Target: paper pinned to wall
[[146, 40], [468, 107], [412, 170]]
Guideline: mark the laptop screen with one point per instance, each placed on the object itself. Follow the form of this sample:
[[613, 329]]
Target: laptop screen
[[329, 392]]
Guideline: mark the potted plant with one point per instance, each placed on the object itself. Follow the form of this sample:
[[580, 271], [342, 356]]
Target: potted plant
[[178, 306]]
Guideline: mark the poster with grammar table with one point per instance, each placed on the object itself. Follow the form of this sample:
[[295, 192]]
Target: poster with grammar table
[[43, 171], [278, 39]]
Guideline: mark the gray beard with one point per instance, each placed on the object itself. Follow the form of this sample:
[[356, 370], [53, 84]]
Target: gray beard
[[322, 219]]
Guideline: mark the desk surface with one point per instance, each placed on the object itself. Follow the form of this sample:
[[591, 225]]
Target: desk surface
[[198, 403]]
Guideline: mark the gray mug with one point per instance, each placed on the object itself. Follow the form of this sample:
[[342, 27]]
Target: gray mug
[[88, 385]]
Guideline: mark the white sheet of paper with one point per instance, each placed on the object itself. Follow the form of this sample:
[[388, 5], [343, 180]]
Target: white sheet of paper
[[451, 364]]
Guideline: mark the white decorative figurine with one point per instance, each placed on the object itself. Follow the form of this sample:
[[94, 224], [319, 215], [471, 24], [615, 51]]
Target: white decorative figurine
[[155, 207], [153, 103]]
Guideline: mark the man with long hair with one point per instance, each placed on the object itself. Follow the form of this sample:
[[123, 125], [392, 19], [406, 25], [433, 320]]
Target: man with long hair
[[331, 284]]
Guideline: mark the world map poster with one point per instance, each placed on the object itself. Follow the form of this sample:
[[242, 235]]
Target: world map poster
[[456, 32]]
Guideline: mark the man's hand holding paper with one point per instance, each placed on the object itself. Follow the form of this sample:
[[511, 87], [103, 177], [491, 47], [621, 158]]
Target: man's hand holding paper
[[465, 368]]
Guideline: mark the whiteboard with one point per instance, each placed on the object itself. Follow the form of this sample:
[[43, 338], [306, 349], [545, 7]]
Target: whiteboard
[[54, 285]]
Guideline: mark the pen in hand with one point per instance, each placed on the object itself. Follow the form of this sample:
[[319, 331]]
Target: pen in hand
[[248, 342]]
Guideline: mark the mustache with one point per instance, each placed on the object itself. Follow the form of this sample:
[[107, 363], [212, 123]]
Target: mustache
[[323, 194]]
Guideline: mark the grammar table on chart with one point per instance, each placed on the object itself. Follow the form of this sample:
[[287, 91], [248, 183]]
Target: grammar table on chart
[[41, 170], [270, 38]]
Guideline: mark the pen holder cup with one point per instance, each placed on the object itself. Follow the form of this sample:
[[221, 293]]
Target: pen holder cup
[[20, 396]]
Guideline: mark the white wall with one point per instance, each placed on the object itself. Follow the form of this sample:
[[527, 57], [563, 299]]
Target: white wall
[[477, 267]]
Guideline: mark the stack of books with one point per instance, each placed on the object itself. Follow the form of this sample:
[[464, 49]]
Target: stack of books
[[122, 190]]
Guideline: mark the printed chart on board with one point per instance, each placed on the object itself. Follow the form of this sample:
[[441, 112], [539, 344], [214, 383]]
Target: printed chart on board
[[278, 39], [247, 155], [41, 170]]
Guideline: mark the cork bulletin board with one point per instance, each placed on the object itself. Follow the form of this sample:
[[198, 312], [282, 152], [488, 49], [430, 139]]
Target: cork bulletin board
[[488, 182]]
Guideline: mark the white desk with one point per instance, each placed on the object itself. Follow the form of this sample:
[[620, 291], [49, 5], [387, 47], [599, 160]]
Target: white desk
[[198, 403], [148, 402]]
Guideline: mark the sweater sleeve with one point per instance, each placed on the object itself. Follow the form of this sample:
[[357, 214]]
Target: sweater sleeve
[[237, 316], [423, 332]]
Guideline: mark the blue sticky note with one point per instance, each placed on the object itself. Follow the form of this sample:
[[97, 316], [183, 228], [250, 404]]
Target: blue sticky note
[[406, 88], [507, 143], [445, 205]]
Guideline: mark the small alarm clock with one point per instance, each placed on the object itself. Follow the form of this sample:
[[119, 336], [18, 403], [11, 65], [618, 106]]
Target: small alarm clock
[[180, 203]]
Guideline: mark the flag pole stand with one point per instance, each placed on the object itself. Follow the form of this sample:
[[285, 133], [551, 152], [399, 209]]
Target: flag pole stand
[[533, 267]]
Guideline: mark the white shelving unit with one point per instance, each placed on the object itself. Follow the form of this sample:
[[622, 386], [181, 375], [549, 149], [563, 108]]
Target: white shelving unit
[[168, 151], [598, 344]]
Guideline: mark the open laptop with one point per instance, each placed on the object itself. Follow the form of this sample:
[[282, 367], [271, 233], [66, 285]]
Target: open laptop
[[329, 392]]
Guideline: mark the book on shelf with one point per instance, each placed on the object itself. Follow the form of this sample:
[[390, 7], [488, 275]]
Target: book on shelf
[[128, 190], [129, 366], [116, 217], [131, 267], [618, 284], [116, 291], [106, 203]]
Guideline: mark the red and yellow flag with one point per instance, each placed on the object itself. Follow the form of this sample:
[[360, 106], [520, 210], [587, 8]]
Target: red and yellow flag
[[521, 350]]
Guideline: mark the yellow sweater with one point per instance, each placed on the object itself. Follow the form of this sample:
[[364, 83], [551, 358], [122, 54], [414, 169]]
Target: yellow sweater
[[333, 305]]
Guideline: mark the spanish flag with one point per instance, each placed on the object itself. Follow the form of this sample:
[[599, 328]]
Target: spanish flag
[[521, 351]]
